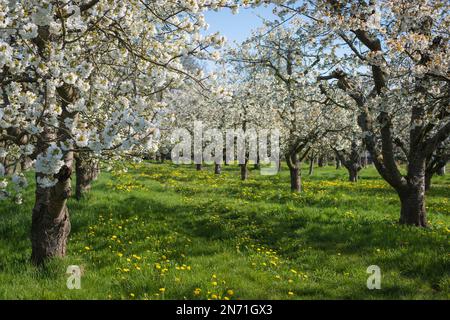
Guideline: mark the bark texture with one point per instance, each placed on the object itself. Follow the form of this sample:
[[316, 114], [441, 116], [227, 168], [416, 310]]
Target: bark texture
[[351, 161], [244, 171], [294, 172], [50, 220], [86, 170]]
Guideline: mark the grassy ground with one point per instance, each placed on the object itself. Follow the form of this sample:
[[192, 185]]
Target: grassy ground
[[167, 232]]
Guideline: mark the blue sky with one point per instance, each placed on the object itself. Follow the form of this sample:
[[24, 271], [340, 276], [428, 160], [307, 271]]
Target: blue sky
[[237, 27]]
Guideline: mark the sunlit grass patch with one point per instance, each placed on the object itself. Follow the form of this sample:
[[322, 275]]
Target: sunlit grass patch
[[160, 231]]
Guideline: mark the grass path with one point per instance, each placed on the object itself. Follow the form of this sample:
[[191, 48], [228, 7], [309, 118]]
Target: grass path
[[167, 232]]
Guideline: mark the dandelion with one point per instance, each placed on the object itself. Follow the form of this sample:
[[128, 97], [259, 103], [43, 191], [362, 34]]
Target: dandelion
[[87, 248], [197, 291], [230, 292], [290, 293], [162, 290]]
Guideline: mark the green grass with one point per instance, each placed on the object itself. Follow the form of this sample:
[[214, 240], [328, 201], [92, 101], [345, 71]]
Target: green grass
[[165, 226]]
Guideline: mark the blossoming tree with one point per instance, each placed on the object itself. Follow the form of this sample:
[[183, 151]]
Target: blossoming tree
[[83, 76], [402, 47]]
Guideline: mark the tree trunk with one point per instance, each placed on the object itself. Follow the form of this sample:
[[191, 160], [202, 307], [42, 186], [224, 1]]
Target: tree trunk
[[50, 225], [198, 166], [244, 171], [294, 171], [295, 179], [320, 161], [352, 174], [412, 197], [311, 166], [217, 168], [364, 160], [441, 171], [413, 207], [86, 170], [338, 163]]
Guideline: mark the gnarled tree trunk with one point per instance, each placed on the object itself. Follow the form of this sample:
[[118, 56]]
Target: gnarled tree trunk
[[217, 168], [352, 174], [50, 226], [311, 166], [351, 161], [86, 170], [244, 171], [413, 205], [294, 172], [412, 195], [338, 163]]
